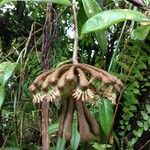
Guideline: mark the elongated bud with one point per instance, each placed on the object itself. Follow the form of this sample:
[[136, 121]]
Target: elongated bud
[[84, 83], [32, 88], [70, 74], [62, 81], [53, 77], [95, 74], [41, 77]]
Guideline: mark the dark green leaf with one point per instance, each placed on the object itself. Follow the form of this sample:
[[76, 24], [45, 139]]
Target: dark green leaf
[[106, 115], [140, 33], [64, 2], [6, 70], [2, 95], [107, 18], [91, 8]]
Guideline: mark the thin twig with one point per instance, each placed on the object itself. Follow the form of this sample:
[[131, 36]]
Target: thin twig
[[28, 41], [144, 145], [75, 46]]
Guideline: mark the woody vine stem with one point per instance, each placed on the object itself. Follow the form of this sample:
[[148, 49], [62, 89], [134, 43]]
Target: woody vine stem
[[75, 46]]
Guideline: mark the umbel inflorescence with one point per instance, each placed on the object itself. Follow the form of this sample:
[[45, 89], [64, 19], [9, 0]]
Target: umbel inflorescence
[[51, 84]]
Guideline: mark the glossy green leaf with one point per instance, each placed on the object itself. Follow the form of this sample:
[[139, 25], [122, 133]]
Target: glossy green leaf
[[6, 70], [107, 18], [106, 115], [140, 33], [61, 144], [64, 2], [92, 8], [75, 139], [81, 17], [53, 128], [2, 95]]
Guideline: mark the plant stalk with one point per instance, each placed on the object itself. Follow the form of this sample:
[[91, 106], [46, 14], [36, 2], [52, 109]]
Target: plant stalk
[[75, 46], [45, 65], [111, 66]]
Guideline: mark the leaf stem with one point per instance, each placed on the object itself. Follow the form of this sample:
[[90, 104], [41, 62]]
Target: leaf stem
[[75, 46]]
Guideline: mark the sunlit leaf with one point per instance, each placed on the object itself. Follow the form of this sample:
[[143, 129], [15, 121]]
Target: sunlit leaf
[[53, 128], [64, 2], [147, 2], [145, 115], [106, 115], [146, 126], [75, 139], [102, 146], [107, 18], [6, 70], [61, 144], [140, 33], [92, 8], [148, 108], [133, 141], [2, 95]]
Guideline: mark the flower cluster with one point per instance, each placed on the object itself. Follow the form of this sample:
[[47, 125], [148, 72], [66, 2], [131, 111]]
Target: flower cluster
[[52, 83]]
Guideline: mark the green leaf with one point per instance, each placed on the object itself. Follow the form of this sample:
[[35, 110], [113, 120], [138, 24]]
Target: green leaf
[[2, 95], [140, 124], [106, 115], [133, 141], [91, 8], [147, 2], [6, 70], [64, 2], [144, 115], [53, 128], [146, 126], [61, 144], [148, 108], [75, 139], [102, 146], [11, 148], [140, 33], [107, 18], [140, 131]]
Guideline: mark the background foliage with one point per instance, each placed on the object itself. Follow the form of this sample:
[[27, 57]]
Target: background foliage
[[105, 41]]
